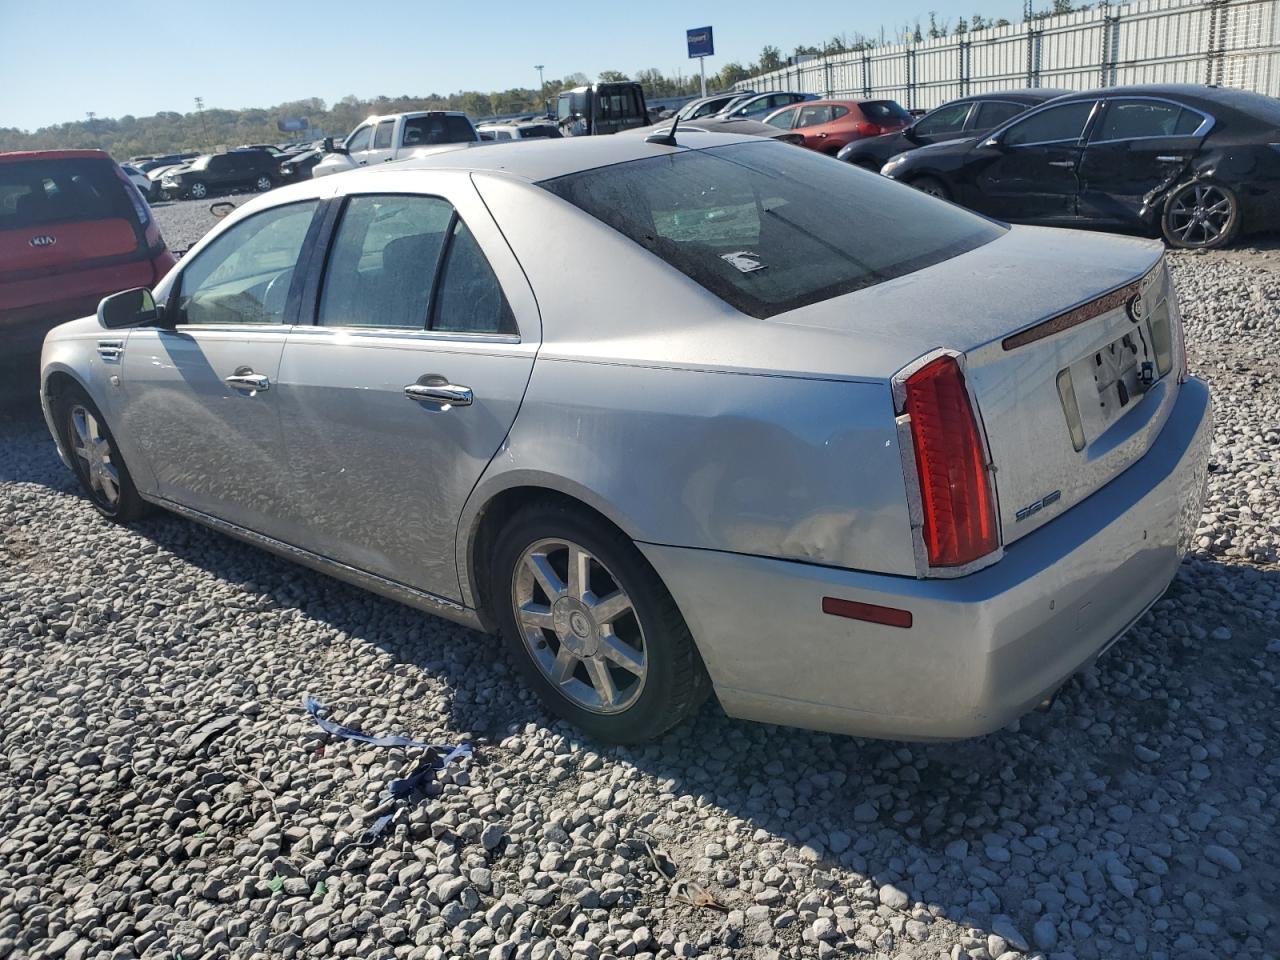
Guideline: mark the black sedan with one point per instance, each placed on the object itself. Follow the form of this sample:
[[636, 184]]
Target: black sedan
[[967, 117], [1199, 164]]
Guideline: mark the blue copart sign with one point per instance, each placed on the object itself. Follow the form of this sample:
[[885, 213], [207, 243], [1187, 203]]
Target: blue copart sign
[[700, 44]]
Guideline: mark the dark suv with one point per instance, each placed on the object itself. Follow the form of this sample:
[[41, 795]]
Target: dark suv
[[222, 171]]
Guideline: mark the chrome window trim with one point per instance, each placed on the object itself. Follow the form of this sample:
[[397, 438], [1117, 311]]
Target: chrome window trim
[[400, 333], [1206, 124]]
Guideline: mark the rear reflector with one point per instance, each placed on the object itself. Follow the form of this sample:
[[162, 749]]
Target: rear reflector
[[955, 490], [870, 612]]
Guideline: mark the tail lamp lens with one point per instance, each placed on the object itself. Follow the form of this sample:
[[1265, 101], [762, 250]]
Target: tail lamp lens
[[955, 488]]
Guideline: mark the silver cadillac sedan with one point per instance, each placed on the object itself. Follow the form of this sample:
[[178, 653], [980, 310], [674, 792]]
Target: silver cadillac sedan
[[722, 416]]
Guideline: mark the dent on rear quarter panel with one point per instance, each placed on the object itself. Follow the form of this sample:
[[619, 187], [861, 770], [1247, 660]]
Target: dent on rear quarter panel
[[772, 466]]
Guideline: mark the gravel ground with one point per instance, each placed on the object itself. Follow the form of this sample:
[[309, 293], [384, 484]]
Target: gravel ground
[[183, 222], [163, 794]]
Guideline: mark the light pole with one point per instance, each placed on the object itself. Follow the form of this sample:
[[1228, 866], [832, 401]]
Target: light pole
[[542, 87], [90, 115], [203, 125]]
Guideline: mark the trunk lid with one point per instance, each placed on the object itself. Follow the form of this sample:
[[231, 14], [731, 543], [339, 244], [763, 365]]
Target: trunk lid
[[1071, 401], [58, 214]]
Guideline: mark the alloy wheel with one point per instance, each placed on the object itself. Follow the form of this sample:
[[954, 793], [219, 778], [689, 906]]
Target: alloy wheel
[[91, 446], [1199, 215], [264, 183], [198, 191], [579, 626]]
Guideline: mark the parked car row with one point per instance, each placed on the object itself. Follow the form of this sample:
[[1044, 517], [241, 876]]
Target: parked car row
[[1199, 165]]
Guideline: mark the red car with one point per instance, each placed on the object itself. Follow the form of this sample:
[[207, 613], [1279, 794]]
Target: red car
[[828, 125], [73, 228]]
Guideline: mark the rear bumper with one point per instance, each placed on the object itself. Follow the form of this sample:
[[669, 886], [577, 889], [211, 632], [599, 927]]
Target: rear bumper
[[982, 649], [73, 293]]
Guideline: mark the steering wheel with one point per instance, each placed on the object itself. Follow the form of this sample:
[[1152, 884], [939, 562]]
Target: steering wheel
[[276, 295]]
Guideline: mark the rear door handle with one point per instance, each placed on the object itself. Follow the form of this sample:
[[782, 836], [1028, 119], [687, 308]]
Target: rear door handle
[[1170, 159], [1062, 163], [448, 394], [253, 382]]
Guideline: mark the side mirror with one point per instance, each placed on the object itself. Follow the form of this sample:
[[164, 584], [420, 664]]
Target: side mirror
[[131, 308], [993, 143], [910, 133]]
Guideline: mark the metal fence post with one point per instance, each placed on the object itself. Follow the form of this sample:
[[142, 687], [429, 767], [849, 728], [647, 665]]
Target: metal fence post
[[964, 66], [1033, 57], [866, 73], [911, 78]]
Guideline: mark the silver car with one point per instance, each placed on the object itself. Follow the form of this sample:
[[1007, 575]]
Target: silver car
[[723, 416]]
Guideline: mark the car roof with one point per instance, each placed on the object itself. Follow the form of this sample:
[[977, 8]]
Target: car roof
[[1227, 96], [544, 159], [54, 155]]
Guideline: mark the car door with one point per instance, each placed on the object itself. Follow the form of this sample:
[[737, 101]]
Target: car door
[[812, 123], [398, 396], [359, 144], [1138, 147], [199, 397], [1029, 172], [783, 119], [381, 147]]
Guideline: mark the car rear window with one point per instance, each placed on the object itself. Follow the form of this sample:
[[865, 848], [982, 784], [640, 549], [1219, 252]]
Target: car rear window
[[419, 131], [35, 192], [880, 110], [769, 228]]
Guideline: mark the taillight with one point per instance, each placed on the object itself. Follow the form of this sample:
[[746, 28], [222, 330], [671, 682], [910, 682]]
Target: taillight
[[955, 488], [867, 129]]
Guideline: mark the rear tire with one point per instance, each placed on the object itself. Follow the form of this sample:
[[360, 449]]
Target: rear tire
[[932, 186], [264, 183], [104, 478], [1201, 216], [620, 677]]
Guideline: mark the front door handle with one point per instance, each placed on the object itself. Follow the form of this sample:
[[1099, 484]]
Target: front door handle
[[1170, 159], [1062, 163], [253, 382], [448, 394]]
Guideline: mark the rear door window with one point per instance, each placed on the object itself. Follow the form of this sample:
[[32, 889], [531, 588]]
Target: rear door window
[[470, 299], [764, 226], [947, 119], [1137, 119], [783, 119], [992, 113]]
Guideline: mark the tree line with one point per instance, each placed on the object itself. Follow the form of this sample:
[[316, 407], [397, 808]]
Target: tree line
[[211, 128]]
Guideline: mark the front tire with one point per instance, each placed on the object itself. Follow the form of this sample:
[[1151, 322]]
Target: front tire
[[99, 467], [591, 626], [932, 186], [1201, 216], [198, 190]]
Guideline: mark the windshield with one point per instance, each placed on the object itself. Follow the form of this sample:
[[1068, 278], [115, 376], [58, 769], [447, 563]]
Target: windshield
[[769, 228]]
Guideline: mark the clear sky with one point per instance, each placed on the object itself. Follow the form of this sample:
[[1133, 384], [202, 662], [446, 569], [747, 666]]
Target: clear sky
[[61, 58]]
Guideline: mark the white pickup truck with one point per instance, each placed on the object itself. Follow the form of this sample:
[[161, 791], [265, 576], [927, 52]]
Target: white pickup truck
[[395, 137]]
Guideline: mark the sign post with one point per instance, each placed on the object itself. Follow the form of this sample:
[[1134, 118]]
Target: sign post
[[701, 46]]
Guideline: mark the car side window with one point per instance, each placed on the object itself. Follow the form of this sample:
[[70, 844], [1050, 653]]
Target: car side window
[[992, 113], [813, 116], [219, 163], [244, 275], [470, 298], [838, 112], [1135, 119], [359, 140], [382, 136], [383, 260], [1053, 125], [946, 119], [783, 119]]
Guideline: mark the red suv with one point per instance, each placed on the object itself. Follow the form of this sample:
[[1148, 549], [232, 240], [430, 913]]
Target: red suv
[[828, 125], [73, 228]]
